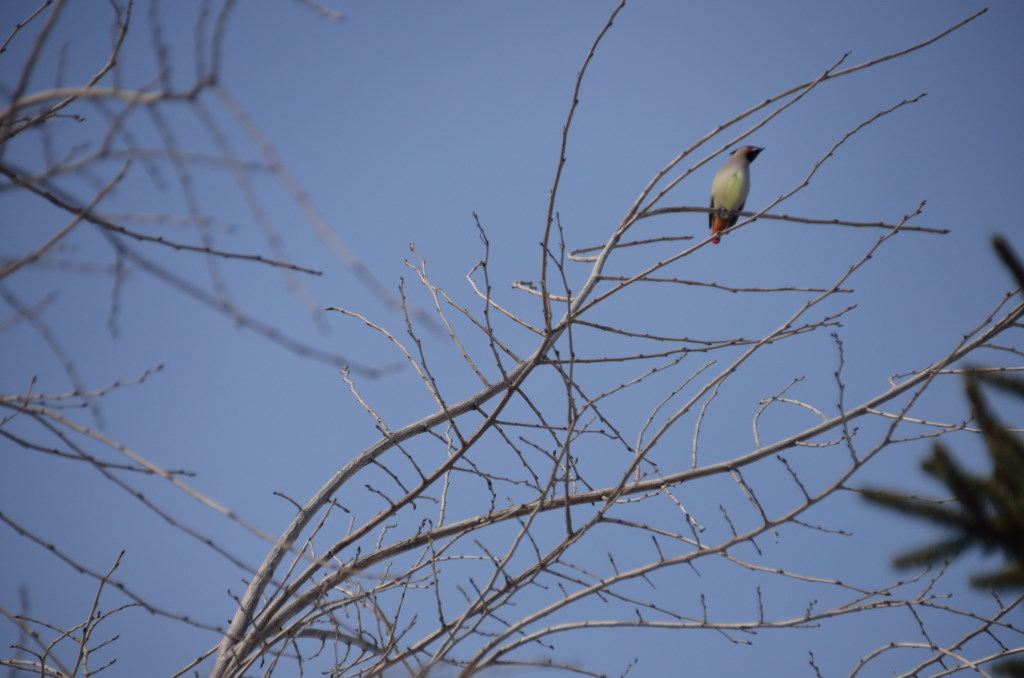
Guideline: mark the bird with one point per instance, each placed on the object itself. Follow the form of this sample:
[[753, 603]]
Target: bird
[[729, 190]]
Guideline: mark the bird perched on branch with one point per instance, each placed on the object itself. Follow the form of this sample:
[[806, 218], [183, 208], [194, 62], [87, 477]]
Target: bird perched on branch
[[729, 190]]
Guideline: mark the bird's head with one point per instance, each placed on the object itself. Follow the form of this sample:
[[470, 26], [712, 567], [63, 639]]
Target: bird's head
[[750, 152]]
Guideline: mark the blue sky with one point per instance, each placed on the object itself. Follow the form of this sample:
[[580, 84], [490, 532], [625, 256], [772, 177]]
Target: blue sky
[[399, 123]]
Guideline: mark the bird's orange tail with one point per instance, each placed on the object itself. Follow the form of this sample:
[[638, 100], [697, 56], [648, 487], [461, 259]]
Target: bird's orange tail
[[717, 226]]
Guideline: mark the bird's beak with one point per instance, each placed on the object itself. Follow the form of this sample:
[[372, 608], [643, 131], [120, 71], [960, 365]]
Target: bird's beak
[[753, 153]]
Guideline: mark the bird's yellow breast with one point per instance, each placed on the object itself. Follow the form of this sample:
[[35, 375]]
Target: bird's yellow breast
[[730, 188]]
